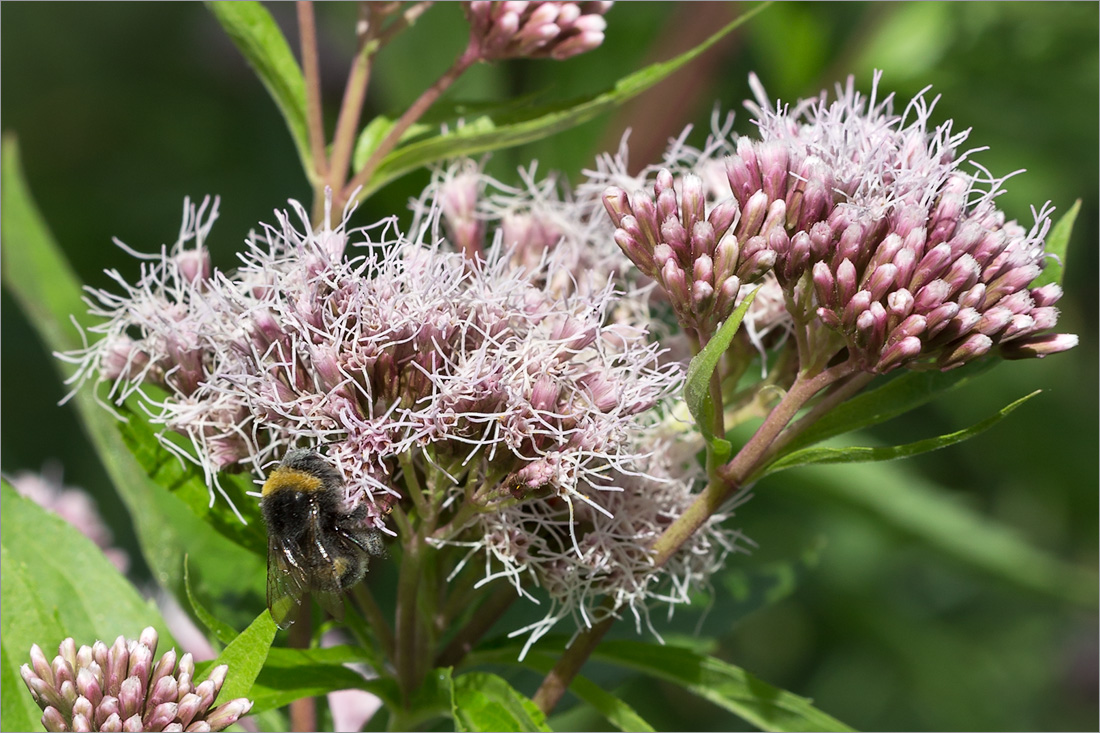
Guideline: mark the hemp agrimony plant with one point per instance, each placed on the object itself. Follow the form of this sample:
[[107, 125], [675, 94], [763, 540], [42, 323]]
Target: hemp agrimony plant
[[547, 397]]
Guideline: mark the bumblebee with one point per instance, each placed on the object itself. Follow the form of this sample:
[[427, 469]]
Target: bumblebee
[[314, 544]]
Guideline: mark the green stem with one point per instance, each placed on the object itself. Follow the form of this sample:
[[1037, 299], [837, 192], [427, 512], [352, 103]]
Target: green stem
[[406, 622], [570, 662], [412, 114], [841, 392], [303, 711], [730, 479], [355, 93], [307, 32]]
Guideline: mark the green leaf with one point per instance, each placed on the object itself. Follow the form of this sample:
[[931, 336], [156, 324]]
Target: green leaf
[[258, 38], [863, 454], [896, 397], [291, 674], [699, 372], [1057, 244], [371, 136], [896, 497], [485, 702], [55, 583], [222, 631], [38, 276], [245, 656], [727, 686], [186, 481], [507, 652], [507, 130]]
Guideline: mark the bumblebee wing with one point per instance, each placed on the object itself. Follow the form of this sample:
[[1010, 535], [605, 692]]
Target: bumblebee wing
[[286, 582], [326, 581]]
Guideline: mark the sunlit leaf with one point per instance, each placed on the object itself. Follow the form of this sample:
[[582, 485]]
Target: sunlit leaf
[[896, 397], [55, 583], [727, 686], [38, 276], [1057, 244], [485, 702], [863, 454], [258, 38], [699, 373]]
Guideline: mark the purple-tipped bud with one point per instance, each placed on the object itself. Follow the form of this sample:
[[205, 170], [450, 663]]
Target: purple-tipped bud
[[1048, 294], [702, 239], [645, 214], [131, 697], [675, 283], [1045, 318], [52, 719], [545, 393], [692, 201], [1015, 279], [701, 295], [703, 270], [81, 723], [753, 214], [994, 320], [898, 353], [860, 302], [912, 326], [931, 266], [107, 709], [87, 684], [756, 265], [825, 285], [974, 297], [190, 705], [1020, 325], [83, 707], [662, 255], [1038, 346], [668, 205], [227, 714], [674, 234], [774, 159], [133, 724], [164, 690], [906, 262], [881, 280], [931, 296], [963, 275], [871, 328], [112, 723], [162, 715], [798, 256], [990, 247], [847, 282], [41, 665], [617, 203], [723, 215], [973, 347], [938, 318], [725, 256], [726, 300]]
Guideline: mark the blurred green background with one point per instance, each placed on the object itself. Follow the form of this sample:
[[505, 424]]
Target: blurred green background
[[123, 109]]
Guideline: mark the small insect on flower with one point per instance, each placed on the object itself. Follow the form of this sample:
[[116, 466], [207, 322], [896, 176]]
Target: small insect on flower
[[315, 544]]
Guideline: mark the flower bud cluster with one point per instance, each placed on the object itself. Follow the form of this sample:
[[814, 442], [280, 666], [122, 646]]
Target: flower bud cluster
[[907, 293], [554, 30], [699, 257], [912, 264], [124, 688]]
